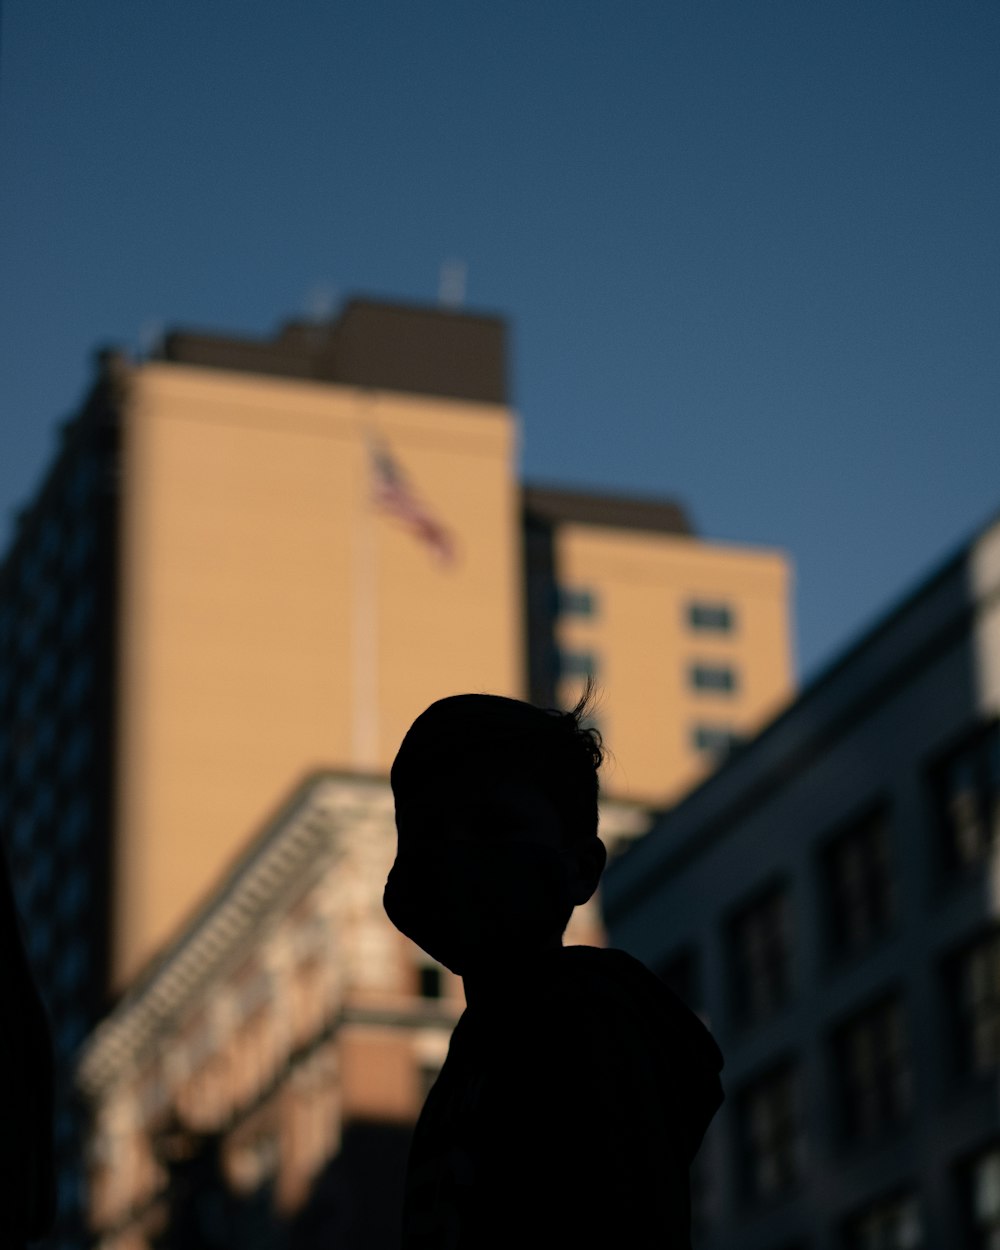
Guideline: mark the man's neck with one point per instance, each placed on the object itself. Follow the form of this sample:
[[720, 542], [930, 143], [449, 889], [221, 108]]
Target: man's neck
[[495, 980]]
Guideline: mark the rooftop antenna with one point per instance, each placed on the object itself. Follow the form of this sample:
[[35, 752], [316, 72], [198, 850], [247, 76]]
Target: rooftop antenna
[[320, 302], [451, 284], [151, 336]]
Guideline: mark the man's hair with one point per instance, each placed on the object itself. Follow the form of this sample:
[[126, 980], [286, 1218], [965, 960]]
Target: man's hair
[[570, 776], [554, 750]]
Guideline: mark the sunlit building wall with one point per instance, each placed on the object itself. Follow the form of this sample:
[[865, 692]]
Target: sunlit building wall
[[830, 902], [274, 618]]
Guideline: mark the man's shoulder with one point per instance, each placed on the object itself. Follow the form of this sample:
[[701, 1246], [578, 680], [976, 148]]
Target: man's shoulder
[[592, 975]]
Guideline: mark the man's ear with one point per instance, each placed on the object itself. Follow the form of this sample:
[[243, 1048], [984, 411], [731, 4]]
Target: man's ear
[[587, 863]]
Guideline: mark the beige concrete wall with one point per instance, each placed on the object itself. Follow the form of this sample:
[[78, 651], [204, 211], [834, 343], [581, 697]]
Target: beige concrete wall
[[264, 600], [644, 646]]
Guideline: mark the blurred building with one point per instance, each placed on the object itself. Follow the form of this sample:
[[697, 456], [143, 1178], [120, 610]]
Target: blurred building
[[257, 1085], [830, 901], [253, 559]]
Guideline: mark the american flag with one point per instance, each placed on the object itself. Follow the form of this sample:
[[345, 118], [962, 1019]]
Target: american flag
[[393, 494]]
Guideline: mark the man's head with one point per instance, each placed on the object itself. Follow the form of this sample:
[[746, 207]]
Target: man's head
[[496, 812]]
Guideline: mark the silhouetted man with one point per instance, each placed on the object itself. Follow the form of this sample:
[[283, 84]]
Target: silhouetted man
[[577, 1088]]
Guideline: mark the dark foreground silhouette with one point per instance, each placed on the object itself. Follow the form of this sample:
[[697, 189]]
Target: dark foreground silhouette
[[577, 1087]]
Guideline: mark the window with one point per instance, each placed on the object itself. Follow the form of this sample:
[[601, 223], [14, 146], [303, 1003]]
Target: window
[[718, 678], [980, 1184], [576, 663], [889, 1224], [715, 618], [772, 1144], [858, 885], [717, 741], [431, 985], [973, 982], [874, 1079], [966, 788], [572, 601], [760, 956]]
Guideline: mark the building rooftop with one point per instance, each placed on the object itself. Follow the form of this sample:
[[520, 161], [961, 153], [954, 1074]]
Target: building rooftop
[[552, 504], [384, 346]]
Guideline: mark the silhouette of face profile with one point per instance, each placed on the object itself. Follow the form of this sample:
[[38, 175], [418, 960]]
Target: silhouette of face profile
[[482, 872]]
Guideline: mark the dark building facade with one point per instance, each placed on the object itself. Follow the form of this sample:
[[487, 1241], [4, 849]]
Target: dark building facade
[[57, 656], [829, 901]]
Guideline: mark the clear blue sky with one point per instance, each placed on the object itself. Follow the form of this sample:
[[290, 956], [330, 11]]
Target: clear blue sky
[[749, 248]]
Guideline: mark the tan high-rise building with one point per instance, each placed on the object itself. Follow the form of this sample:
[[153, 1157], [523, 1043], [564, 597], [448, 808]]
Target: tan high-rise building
[[323, 533], [320, 536]]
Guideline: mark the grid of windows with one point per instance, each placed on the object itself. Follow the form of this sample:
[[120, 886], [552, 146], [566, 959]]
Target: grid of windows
[[973, 979], [874, 1077], [716, 678], [717, 618], [858, 884], [760, 956], [772, 1142], [889, 1224], [967, 791]]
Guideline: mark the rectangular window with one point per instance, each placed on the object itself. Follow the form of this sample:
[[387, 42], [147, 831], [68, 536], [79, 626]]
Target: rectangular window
[[431, 985], [874, 1077], [717, 741], [771, 1138], [858, 886], [980, 1183], [715, 618], [760, 950], [889, 1224], [576, 663], [575, 601], [972, 980], [718, 678], [966, 788]]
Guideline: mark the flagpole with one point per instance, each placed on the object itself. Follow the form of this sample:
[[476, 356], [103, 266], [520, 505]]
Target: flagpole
[[364, 746]]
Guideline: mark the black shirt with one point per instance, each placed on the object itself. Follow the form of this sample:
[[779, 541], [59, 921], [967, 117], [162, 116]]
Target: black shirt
[[566, 1114]]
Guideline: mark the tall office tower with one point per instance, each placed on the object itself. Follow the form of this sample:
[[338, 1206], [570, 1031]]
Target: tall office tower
[[256, 558]]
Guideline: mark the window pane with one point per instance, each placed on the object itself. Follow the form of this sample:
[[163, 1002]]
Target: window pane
[[710, 617], [972, 980], [771, 1133], [760, 956], [967, 798], [873, 1070], [859, 886], [720, 678]]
